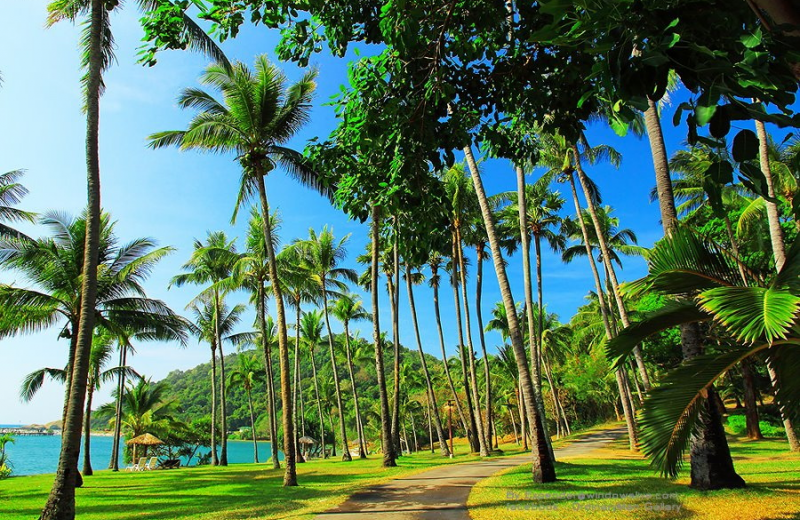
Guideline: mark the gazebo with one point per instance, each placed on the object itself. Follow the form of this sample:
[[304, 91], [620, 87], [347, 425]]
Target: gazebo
[[145, 440], [305, 440]]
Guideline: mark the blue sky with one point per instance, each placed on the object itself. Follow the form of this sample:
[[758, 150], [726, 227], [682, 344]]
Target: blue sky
[[176, 197]]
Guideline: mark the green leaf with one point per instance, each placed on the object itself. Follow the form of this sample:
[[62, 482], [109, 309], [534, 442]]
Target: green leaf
[[745, 146], [753, 39], [752, 313], [704, 114], [720, 124], [721, 172]]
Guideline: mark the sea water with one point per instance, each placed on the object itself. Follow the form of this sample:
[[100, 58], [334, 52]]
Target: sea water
[[34, 454]]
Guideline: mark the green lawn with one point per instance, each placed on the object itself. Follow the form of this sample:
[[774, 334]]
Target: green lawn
[[238, 491], [771, 472]]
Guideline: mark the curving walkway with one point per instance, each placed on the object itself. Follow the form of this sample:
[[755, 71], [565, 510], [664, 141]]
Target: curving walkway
[[442, 493]]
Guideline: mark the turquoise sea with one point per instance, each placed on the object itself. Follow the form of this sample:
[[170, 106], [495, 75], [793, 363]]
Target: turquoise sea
[[34, 454]]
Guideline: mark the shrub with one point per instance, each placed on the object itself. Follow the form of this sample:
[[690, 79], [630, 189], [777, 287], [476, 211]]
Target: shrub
[[737, 425]]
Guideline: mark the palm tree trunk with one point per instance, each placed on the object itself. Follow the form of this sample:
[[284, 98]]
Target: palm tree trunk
[[296, 386], [525, 245], [395, 300], [522, 419], [472, 432], [290, 473], [479, 251], [605, 312], [60, 503], [711, 463], [444, 353], [430, 428], [87, 429], [554, 395], [362, 452], [601, 240], [339, 402], [445, 451], [123, 361], [214, 458], [481, 430], [514, 425], [734, 247], [223, 456], [779, 254], [319, 403], [387, 445], [542, 469], [271, 408], [253, 426], [750, 406], [414, 432]]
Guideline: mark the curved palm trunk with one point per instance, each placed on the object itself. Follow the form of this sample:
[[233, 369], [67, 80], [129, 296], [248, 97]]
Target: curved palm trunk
[[123, 361], [87, 428], [472, 432], [444, 354], [483, 444], [601, 240], [252, 425], [296, 385], [605, 312], [273, 426], [387, 443], [395, 299], [319, 403], [711, 463], [542, 469], [479, 251], [522, 419], [362, 450], [522, 205], [445, 451], [290, 473], [779, 253], [339, 402], [223, 455], [214, 458], [430, 427], [60, 503]]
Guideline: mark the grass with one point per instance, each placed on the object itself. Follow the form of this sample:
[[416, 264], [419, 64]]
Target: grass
[[771, 472], [238, 491]]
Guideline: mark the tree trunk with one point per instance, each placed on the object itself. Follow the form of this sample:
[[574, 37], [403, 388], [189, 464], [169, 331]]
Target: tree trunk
[[123, 361], [604, 311], [456, 401], [479, 251], [296, 386], [779, 254], [319, 402], [267, 349], [61, 501], [395, 300], [387, 444], [362, 451], [523, 427], [514, 425], [214, 458], [253, 426], [414, 433], [483, 444], [339, 402], [290, 473], [87, 429], [430, 428], [542, 468], [445, 451], [750, 406], [525, 246], [712, 466], [223, 455], [472, 432]]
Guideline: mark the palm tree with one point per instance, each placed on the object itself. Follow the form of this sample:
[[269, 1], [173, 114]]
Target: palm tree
[[257, 116], [542, 468], [97, 45], [348, 308], [322, 255], [212, 263], [11, 193], [214, 323], [246, 375], [311, 328]]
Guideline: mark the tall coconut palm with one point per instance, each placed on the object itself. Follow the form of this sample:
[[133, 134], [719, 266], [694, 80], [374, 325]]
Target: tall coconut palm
[[311, 329], [247, 374], [11, 193], [348, 308], [257, 116], [211, 264], [411, 279], [97, 46], [323, 255]]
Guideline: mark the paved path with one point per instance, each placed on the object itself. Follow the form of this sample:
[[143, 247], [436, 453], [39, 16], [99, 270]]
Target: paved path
[[442, 493]]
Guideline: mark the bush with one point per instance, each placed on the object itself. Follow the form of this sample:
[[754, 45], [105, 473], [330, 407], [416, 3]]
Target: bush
[[5, 471], [737, 425]]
